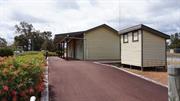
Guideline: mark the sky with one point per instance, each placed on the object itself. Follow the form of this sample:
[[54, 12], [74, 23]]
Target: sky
[[60, 16]]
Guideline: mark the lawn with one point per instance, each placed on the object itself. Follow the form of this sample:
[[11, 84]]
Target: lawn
[[21, 76]]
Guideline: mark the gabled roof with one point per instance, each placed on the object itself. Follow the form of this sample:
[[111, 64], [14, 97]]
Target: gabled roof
[[146, 28], [103, 25], [79, 33]]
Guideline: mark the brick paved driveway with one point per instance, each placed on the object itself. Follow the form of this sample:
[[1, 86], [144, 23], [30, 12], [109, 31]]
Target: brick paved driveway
[[86, 81]]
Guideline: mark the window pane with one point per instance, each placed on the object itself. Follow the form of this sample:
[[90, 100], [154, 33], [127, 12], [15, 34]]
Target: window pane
[[135, 36], [125, 38]]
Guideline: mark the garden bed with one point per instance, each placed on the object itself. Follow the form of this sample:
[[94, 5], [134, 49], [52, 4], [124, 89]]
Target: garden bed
[[22, 76]]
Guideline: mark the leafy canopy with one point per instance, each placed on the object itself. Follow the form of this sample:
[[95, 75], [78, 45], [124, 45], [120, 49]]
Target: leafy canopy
[[31, 39], [3, 42], [175, 40]]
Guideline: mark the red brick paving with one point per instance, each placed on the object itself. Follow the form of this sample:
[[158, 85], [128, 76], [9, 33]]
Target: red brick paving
[[86, 81]]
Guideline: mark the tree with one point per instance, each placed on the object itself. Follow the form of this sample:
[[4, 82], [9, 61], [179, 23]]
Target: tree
[[47, 35], [3, 42], [48, 45], [26, 30], [175, 40], [47, 40], [33, 39], [37, 40], [21, 40]]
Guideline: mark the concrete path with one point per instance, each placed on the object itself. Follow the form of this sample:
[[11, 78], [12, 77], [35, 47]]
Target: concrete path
[[86, 81]]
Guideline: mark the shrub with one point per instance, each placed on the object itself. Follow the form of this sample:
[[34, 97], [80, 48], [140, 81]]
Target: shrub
[[21, 77], [6, 52], [60, 53], [51, 54]]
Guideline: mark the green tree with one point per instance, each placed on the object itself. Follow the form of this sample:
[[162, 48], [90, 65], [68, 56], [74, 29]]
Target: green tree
[[48, 45], [33, 39], [3, 42], [21, 40], [47, 34], [37, 40], [175, 40], [26, 31]]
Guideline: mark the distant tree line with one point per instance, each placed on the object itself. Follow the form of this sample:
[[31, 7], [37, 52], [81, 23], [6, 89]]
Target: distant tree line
[[3, 42], [175, 41], [31, 39], [4, 49]]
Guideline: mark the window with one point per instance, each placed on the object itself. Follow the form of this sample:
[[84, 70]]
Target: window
[[135, 36], [125, 38]]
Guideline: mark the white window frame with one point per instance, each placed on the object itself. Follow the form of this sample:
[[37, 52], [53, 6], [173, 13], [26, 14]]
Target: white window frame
[[135, 36], [125, 38]]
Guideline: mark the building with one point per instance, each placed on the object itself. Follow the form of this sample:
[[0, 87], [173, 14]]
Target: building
[[98, 43], [143, 46]]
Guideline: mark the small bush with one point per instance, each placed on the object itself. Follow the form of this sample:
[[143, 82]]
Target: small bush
[[59, 53], [30, 53], [51, 54], [6, 52], [22, 77]]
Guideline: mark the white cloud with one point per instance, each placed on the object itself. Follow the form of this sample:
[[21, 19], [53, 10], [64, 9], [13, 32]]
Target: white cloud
[[61, 16], [163, 15]]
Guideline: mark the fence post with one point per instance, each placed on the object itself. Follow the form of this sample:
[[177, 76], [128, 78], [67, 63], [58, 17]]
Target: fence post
[[174, 83]]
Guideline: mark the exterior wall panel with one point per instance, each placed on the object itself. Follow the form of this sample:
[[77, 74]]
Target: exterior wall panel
[[153, 50], [131, 52], [102, 44]]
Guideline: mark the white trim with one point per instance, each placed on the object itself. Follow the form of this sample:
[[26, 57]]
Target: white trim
[[140, 76]]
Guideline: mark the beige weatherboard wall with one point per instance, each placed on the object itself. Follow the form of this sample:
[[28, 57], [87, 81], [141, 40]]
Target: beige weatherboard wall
[[154, 50], [101, 44], [131, 51], [98, 43], [145, 48]]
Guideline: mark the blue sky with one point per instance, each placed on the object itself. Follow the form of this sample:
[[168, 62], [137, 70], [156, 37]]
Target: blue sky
[[61, 16]]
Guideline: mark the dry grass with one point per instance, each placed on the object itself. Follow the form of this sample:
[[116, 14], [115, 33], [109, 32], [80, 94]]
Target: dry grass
[[159, 76], [1, 59]]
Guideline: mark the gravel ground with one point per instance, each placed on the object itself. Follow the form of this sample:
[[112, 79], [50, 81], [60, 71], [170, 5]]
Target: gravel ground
[[159, 76]]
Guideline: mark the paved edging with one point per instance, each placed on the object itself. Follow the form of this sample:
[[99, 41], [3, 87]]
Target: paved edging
[[45, 93], [140, 76]]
